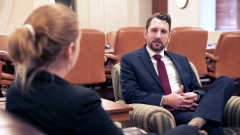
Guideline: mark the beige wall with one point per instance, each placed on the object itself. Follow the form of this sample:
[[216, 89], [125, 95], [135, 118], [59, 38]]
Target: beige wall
[[110, 15], [6, 10], [188, 16], [104, 15], [197, 13], [14, 12]]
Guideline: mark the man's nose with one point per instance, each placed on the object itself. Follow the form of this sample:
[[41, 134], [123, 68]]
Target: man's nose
[[158, 34]]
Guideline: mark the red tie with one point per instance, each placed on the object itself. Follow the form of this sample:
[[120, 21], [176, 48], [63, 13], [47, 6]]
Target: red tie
[[162, 74], [163, 77]]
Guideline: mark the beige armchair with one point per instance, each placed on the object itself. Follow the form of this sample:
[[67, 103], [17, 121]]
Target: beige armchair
[[159, 120]]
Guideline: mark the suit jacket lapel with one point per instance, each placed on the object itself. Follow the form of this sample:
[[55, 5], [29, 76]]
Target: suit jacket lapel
[[144, 57], [177, 65]]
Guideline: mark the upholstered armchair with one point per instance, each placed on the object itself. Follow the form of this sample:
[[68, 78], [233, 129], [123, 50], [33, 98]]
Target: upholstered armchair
[[5, 79], [7, 65], [225, 59], [159, 120], [110, 39], [89, 68], [127, 39], [190, 42]]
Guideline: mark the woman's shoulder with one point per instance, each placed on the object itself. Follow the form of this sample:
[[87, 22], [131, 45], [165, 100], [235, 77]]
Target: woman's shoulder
[[65, 91], [82, 93], [81, 90]]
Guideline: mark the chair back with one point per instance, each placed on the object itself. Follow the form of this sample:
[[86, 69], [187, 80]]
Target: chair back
[[3, 42], [228, 62], [128, 39], [110, 38], [221, 37], [190, 42], [115, 72], [89, 30], [89, 68]]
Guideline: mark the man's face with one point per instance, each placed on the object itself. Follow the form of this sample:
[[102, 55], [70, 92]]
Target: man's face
[[157, 35]]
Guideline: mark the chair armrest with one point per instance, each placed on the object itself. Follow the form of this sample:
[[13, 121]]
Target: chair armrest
[[149, 118], [105, 59], [111, 56], [231, 112], [212, 57], [133, 131], [5, 57]]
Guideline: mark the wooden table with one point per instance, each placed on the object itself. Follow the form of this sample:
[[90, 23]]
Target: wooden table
[[118, 112], [210, 48]]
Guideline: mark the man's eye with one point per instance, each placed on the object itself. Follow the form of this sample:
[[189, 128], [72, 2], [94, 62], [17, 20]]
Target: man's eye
[[164, 31], [154, 30]]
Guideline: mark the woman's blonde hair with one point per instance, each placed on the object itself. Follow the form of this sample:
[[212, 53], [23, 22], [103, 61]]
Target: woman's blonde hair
[[46, 32]]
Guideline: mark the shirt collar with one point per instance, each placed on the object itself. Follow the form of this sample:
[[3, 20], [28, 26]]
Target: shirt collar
[[151, 53]]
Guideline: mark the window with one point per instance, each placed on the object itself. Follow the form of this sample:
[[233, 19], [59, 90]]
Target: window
[[227, 14]]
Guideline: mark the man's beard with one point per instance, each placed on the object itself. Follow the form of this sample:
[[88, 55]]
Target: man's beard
[[157, 49]]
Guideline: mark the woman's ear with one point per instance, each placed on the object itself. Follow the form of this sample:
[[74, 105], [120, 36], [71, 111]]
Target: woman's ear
[[68, 52]]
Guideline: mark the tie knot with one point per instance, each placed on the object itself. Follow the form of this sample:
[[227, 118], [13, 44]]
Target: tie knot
[[157, 57]]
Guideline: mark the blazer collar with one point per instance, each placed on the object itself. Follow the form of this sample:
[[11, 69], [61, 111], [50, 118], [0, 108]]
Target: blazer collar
[[146, 60], [177, 65]]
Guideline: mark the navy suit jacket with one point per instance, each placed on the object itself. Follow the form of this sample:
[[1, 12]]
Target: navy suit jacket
[[140, 82]]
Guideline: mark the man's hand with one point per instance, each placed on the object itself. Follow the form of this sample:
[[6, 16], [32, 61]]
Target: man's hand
[[189, 101], [174, 99], [180, 100]]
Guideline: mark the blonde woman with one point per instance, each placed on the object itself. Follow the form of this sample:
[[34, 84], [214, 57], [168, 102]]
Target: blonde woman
[[46, 47]]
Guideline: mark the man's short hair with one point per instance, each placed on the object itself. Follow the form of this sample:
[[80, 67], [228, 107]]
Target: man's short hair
[[161, 16]]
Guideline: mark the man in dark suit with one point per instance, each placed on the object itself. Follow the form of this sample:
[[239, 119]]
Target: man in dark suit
[[142, 83]]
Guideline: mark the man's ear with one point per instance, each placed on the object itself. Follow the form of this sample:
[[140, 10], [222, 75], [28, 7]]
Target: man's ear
[[145, 33], [68, 52], [169, 37]]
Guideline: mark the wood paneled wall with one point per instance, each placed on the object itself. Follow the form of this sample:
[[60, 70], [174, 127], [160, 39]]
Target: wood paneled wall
[[159, 6]]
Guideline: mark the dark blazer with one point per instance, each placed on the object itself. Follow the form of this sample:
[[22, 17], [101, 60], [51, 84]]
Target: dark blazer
[[57, 107], [140, 82]]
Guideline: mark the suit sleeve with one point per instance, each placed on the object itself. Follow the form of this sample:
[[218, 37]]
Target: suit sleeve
[[135, 85], [194, 85], [92, 119]]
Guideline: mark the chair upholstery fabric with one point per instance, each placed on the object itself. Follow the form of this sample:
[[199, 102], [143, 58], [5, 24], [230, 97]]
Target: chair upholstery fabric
[[127, 39], [226, 57], [224, 34], [6, 60], [3, 41], [110, 38], [5, 79], [159, 120], [190, 42], [89, 68]]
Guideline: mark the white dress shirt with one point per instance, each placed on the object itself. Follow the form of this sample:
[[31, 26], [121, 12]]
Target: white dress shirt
[[173, 76]]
